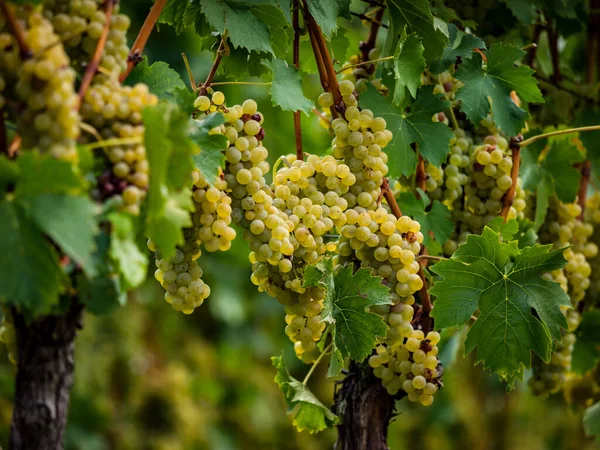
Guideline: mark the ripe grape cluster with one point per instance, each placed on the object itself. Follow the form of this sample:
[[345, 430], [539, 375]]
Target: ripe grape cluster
[[80, 23], [43, 100]]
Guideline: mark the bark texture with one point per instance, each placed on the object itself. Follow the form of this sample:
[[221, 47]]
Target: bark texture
[[366, 410], [46, 353]]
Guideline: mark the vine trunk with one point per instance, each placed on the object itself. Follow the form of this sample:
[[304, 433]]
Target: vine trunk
[[365, 409], [46, 350]]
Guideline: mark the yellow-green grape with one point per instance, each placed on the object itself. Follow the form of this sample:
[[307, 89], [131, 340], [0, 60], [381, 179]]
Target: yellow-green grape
[[212, 218], [116, 112], [181, 276], [80, 23], [550, 378], [43, 102], [7, 335]]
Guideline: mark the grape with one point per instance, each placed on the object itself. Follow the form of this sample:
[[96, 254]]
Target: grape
[[43, 101]]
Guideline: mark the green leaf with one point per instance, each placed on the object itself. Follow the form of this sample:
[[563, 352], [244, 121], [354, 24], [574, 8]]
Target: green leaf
[[69, 221], [101, 296], [306, 410], [9, 173], [159, 77], [409, 65], [504, 283], [211, 156], [494, 84], [44, 174], [526, 12], [129, 260], [326, 13], [415, 17], [31, 274], [347, 299], [588, 116], [461, 45], [279, 28], [553, 175], [339, 44], [586, 352], [413, 125], [244, 29], [520, 230], [433, 216], [591, 421], [286, 90], [169, 151]]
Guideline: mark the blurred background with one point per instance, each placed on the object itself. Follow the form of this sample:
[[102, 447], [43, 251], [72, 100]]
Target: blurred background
[[149, 378]]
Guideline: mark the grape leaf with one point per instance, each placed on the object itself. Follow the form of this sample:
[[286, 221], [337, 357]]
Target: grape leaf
[[433, 216], [504, 283], [591, 421], [524, 11], [520, 230], [326, 13], [44, 174], [415, 17], [169, 151], [69, 221], [461, 45], [161, 80], [101, 296], [409, 65], [347, 298], [306, 410], [339, 45], [286, 6], [9, 173], [244, 28], [279, 28], [586, 353], [286, 89], [494, 84], [32, 277], [553, 175], [129, 260], [173, 14], [591, 139], [211, 156], [413, 125]]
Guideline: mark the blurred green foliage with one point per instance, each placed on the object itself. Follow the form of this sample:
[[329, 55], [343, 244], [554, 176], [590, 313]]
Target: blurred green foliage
[[149, 378]]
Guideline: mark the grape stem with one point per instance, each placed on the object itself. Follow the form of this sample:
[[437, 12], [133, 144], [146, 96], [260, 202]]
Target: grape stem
[[247, 83], [13, 148], [296, 57], [586, 170], [113, 142], [92, 67], [425, 301], [453, 119], [431, 257], [189, 72], [537, 31], [316, 363], [386, 58], [533, 139], [368, 19], [509, 197], [366, 46], [16, 29], [215, 66], [390, 199], [564, 88], [321, 116], [135, 54]]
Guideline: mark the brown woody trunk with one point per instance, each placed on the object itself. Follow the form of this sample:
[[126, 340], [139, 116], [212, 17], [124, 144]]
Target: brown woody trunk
[[365, 409], [44, 378]]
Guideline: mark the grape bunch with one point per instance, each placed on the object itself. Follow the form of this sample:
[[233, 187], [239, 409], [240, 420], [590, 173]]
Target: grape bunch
[[116, 112], [181, 276], [43, 100], [550, 378], [79, 24]]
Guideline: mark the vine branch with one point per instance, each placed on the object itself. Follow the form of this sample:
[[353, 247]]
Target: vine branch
[[508, 198], [425, 301], [135, 54], [421, 174], [296, 56], [553, 42], [17, 31], [586, 170], [390, 199], [92, 67], [366, 46]]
